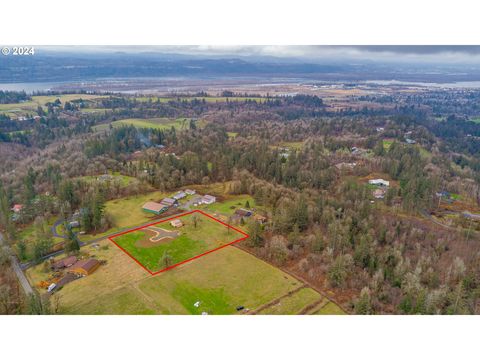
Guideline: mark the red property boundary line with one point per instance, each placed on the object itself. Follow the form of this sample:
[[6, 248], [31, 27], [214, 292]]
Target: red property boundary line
[[245, 236]]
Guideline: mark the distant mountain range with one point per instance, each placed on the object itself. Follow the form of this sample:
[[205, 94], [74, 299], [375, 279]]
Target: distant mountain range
[[59, 67]]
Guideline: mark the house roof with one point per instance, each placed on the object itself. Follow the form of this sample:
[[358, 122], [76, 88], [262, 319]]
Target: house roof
[[152, 206], [243, 212], [65, 262], [176, 222], [208, 197], [168, 201]]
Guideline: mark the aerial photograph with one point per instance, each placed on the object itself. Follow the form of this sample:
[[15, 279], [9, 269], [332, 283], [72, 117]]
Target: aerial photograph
[[246, 180], [262, 180]]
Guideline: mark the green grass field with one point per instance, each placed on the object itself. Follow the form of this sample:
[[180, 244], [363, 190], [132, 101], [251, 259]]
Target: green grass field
[[220, 281], [153, 123], [30, 107], [387, 144], [230, 204], [192, 241]]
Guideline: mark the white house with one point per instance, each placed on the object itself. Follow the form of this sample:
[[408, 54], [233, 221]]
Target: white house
[[190, 192], [208, 199], [379, 182]]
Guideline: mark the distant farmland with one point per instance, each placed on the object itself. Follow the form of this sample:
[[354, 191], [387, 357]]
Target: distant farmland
[[153, 123]]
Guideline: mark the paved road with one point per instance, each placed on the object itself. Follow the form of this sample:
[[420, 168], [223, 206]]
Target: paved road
[[27, 288]]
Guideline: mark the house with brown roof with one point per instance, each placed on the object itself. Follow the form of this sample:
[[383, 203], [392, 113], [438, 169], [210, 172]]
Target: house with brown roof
[[64, 263], [84, 267], [260, 218]]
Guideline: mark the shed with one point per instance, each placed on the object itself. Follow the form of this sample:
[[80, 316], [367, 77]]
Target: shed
[[176, 223], [243, 212], [379, 182], [169, 202]]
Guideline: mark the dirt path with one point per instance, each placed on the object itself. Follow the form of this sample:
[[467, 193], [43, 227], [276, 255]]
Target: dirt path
[[307, 309], [277, 300]]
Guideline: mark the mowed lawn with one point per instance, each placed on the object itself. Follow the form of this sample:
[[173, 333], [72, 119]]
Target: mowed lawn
[[219, 281], [191, 241]]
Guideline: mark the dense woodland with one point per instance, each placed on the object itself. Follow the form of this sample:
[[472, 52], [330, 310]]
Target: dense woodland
[[377, 258]]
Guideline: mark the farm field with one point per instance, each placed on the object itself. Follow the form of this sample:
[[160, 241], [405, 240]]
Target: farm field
[[220, 282], [153, 123], [30, 107], [198, 235]]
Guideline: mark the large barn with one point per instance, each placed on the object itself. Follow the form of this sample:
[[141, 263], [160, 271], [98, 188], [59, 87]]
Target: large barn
[[84, 267], [154, 208]]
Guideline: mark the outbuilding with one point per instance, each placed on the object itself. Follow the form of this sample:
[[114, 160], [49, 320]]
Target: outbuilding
[[84, 267], [154, 208], [379, 182], [169, 202], [176, 223]]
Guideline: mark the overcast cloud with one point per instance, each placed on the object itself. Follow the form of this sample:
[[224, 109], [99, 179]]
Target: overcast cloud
[[381, 53]]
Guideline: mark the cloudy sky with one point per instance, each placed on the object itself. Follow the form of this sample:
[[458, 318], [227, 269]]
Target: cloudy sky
[[382, 53]]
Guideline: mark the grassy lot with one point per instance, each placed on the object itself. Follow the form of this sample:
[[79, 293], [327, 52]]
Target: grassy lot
[[329, 309], [387, 143], [126, 212], [220, 281], [232, 134], [230, 204], [153, 123], [30, 107], [293, 304], [192, 241]]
